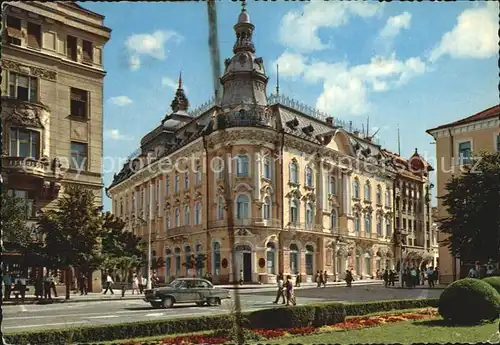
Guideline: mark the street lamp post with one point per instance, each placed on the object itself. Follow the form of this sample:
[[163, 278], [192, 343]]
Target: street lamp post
[[148, 284]]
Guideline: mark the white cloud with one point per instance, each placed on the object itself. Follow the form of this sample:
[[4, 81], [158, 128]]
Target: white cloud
[[152, 45], [121, 101], [299, 29], [115, 134], [172, 84], [346, 88], [474, 36], [394, 25]]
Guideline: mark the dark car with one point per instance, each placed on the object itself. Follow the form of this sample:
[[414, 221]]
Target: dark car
[[186, 290]]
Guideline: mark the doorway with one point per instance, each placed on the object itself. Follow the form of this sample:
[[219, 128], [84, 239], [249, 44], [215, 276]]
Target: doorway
[[247, 267], [244, 261]]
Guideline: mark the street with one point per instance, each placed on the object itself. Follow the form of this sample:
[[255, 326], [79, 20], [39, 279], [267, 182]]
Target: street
[[70, 315]]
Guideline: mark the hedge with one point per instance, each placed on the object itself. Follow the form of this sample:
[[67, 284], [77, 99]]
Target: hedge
[[493, 281], [280, 317]]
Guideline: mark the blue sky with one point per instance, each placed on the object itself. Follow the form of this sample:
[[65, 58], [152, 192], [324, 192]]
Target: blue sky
[[416, 65]]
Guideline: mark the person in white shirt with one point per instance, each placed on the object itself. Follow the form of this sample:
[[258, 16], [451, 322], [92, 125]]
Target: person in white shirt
[[21, 285], [280, 293], [135, 284], [109, 283]]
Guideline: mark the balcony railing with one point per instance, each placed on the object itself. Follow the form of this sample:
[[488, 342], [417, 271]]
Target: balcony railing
[[25, 165], [303, 226], [183, 230], [250, 222]]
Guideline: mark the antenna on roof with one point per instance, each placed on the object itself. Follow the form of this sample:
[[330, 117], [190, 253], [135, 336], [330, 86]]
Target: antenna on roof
[[367, 126], [277, 80], [399, 142], [350, 126]]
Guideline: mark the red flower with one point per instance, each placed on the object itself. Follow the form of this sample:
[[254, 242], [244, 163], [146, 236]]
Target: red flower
[[195, 339], [270, 333], [301, 330]]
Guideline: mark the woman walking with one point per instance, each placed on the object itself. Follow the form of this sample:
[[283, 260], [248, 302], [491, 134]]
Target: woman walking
[[290, 295], [135, 284]]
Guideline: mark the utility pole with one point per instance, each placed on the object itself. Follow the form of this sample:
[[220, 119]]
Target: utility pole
[[151, 190]]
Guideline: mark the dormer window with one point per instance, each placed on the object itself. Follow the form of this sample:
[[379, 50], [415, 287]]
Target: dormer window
[[308, 130], [293, 124]]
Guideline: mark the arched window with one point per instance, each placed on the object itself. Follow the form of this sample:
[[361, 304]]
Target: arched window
[[294, 259], [216, 257], [368, 264], [357, 222], [186, 215], [186, 180], [387, 197], [294, 211], [176, 183], [368, 222], [266, 168], [309, 177], [219, 168], [294, 172], [333, 220], [188, 262], [267, 208], [199, 261], [368, 192], [379, 225], [271, 258], [309, 214], [355, 189], [332, 185], [168, 263], [177, 252], [197, 176], [167, 221], [197, 213], [379, 195], [177, 218], [220, 208], [309, 260], [242, 207], [242, 167], [388, 227]]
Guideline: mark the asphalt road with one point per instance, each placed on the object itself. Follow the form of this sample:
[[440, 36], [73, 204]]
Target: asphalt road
[[66, 316]]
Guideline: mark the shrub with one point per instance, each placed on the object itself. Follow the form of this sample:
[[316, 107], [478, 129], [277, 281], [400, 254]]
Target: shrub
[[282, 317], [359, 309], [328, 314], [493, 281], [469, 301]]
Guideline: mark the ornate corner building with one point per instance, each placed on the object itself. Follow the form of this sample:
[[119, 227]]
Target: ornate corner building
[[282, 186], [52, 89]]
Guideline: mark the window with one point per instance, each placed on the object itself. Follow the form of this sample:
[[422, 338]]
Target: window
[[22, 87], [271, 255], [309, 178], [465, 152], [332, 185], [242, 206], [379, 195], [71, 48], [309, 215], [309, 260], [242, 168], [216, 257], [379, 225], [387, 197], [177, 252], [78, 156], [87, 52], [187, 263], [167, 222], [176, 183], [357, 223], [14, 30], [34, 35], [294, 259], [368, 222], [294, 211], [167, 186], [219, 168], [79, 100], [197, 176], [197, 214], [24, 143], [266, 168], [294, 174], [404, 224], [368, 192], [134, 202], [23, 198], [186, 180], [177, 217], [388, 228], [333, 219], [267, 208], [220, 208], [355, 189], [186, 215]]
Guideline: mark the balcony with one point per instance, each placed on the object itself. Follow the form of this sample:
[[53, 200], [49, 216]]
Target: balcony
[[367, 235], [294, 226], [243, 118], [25, 113], [29, 166], [183, 230], [249, 222]]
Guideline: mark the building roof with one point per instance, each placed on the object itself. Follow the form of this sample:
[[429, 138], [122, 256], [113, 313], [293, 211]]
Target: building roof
[[482, 115]]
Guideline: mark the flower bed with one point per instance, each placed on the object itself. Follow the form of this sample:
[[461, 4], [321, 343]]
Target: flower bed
[[268, 334]]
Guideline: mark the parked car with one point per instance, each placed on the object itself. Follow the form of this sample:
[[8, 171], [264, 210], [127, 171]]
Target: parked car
[[186, 290]]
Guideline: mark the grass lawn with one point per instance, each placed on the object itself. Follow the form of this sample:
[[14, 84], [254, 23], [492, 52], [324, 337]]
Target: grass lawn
[[426, 331]]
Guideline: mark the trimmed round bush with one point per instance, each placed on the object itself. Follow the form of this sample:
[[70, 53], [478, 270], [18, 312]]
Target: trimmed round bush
[[493, 281], [469, 301]]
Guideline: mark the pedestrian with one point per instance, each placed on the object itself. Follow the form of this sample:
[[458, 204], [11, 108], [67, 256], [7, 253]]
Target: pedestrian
[[208, 277], [298, 280], [7, 280], [385, 276], [290, 295], [109, 284], [46, 286], [241, 277], [53, 284], [392, 277], [135, 284], [413, 277], [325, 278], [82, 282], [435, 277], [280, 293], [474, 272], [348, 278], [143, 282], [430, 277], [21, 282], [319, 278], [38, 287]]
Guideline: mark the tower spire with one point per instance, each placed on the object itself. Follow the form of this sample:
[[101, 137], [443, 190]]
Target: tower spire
[[180, 80], [180, 102], [277, 80]]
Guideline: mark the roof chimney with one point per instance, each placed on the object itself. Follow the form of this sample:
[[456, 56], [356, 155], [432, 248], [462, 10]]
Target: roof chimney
[[329, 121]]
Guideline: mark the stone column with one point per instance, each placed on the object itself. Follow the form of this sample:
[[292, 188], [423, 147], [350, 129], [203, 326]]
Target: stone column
[[257, 162], [322, 200], [346, 193]]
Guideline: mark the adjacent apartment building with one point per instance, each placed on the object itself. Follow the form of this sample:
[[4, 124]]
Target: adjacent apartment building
[[52, 105], [456, 143], [306, 192]]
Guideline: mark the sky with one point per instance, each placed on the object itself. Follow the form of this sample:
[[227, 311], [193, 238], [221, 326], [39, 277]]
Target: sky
[[409, 65]]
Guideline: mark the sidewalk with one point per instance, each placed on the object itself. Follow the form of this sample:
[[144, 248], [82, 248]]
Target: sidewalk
[[97, 297]]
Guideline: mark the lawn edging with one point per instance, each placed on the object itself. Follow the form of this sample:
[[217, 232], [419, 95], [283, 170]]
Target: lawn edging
[[281, 317]]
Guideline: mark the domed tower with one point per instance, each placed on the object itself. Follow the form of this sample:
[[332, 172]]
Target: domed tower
[[244, 81]]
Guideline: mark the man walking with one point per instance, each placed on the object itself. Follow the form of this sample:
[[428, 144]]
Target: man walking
[[7, 280], [280, 292], [82, 282], [21, 286], [109, 283], [430, 276]]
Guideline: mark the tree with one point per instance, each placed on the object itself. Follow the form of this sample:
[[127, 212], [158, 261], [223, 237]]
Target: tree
[[72, 232], [16, 234], [196, 261], [473, 204]]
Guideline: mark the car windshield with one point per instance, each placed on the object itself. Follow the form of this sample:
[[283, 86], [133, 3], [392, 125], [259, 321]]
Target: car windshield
[[178, 283]]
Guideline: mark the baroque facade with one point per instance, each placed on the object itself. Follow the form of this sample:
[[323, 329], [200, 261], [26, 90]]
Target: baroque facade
[[260, 184], [52, 106]]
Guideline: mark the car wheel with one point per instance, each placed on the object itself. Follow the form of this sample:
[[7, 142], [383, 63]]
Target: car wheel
[[213, 301], [156, 305], [200, 304], [167, 302]]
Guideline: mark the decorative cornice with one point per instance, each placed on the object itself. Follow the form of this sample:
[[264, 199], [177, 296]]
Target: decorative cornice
[[466, 128], [33, 71], [229, 136]]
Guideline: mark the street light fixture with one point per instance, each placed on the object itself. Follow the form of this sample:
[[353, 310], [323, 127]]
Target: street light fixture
[[148, 286]]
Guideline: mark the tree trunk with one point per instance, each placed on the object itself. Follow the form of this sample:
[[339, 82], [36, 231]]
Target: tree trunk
[[68, 281]]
